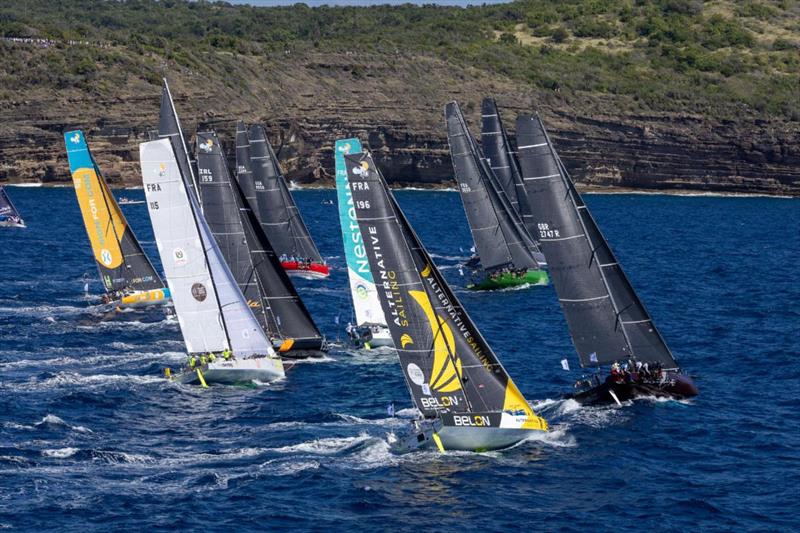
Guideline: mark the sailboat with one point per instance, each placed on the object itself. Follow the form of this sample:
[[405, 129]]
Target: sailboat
[[505, 249], [9, 216], [248, 252], [370, 328], [278, 214], [502, 159], [607, 321], [213, 315], [127, 274], [466, 399]]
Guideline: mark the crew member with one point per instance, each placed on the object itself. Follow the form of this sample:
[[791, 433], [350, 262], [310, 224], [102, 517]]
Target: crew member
[[227, 354], [192, 362]]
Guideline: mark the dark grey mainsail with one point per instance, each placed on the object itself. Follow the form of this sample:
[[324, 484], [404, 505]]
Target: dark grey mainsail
[[448, 366], [606, 319], [276, 209], [501, 157], [222, 215], [170, 127], [499, 239], [285, 314]]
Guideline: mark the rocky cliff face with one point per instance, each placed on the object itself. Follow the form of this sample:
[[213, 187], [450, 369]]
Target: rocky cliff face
[[397, 107]]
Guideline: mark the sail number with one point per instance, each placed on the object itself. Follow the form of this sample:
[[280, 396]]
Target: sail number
[[362, 204], [545, 232], [205, 175]]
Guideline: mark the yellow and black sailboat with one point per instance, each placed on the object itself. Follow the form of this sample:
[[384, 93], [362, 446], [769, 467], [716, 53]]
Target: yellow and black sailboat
[[127, 274], [466, 398]]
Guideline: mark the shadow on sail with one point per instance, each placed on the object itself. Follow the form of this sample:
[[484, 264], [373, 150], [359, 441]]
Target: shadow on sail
[[466, 398]]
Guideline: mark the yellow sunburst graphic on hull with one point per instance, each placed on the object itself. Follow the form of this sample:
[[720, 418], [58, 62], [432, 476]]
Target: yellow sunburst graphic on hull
[[445, 376], [426, 271]]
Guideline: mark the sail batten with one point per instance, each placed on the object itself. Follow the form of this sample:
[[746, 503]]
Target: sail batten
[[606, 319]]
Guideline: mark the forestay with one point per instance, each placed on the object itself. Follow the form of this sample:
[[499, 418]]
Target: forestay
[[211, 310], [606, 319], [499, 240], [362, 287], [119, 256], [277, 211], [447, 364]]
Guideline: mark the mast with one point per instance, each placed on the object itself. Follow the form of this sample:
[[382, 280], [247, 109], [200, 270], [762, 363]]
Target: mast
[[169, 126], [606, 318]]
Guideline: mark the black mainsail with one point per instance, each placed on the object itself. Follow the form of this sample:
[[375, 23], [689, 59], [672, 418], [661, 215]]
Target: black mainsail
[[451, 372], [500, 239], [170, 127], [606, 319], [498, 151], [287, 317], [276, 209], [222, 215]]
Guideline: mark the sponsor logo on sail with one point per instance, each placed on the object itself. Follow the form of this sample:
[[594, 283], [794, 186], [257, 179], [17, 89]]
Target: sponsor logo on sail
[[361, 291], [106, 257], [405, 338], [415, 374], [362, 169], [179, 256], [446, 372], [199, 292], [162, 169], [206, 146], [75, 139]]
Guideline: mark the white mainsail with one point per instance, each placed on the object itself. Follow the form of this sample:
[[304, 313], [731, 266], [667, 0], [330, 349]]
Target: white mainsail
[[362, 287], [211, 310]]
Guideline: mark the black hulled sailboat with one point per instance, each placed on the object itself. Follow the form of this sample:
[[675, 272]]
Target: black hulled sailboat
[[506, 250], [466, 398], [278, 213], [606, 319], [249, 254]]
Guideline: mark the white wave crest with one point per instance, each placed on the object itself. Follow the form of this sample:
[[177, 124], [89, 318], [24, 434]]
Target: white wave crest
[[60, 453]]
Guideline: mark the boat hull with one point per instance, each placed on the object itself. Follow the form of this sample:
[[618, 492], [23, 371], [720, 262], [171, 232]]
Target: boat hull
[[676, 386], [508, 280], [370, 336], [12, 224], [263, 369], [306, 271], [149, 298]]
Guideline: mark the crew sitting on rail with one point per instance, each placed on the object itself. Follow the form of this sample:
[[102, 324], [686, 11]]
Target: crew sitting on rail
[[192, 362], [227, 354], [211, 357]]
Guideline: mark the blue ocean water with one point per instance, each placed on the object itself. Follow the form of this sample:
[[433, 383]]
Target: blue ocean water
[[92, 437]]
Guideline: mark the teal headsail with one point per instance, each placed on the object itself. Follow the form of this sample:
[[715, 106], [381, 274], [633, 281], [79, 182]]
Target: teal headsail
[[362, 287]]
